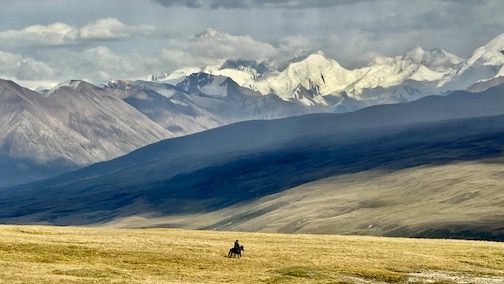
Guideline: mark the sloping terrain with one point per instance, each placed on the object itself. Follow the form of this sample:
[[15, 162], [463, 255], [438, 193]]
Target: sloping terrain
[[76, 124], [459, 200], [241, 163], [202, 101], [72, 126]]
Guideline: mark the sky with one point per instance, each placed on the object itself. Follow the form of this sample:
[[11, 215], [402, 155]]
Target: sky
[[45, 42]]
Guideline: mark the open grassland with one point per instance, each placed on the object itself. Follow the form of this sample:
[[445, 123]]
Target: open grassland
[[459, 200], [37, 254]]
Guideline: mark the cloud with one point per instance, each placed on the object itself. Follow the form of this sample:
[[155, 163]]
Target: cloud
[[215, 44], [257, 4], [212, 47], [101, 63], [61, 34], [96, 64], [23, 68], [290, 47], [112, 28], [39, 35], [104, 42]]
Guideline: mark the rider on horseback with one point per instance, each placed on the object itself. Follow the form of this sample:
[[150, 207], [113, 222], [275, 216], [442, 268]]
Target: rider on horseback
[[236, 250]]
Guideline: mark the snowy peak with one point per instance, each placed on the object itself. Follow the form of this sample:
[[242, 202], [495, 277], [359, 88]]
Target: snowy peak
[[212, 85], [307, 79], [174, 77], [496, 44], [489, 54], [317, 59], [485, 63], [72, 84], [209, 34], [315, 73], [250, 66], [436, 59], [417, 54]]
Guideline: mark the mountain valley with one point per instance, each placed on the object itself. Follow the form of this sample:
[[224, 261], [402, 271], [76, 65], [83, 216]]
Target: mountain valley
[[247, 171], [406, 146]]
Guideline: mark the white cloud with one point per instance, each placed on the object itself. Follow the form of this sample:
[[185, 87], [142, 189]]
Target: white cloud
[[61, 34], [257, 4], [39, 35], [23, 68], [212, 47], [101, 63], [290, 47], [219, 45], [112, 28], [104, 41], [95, 64]]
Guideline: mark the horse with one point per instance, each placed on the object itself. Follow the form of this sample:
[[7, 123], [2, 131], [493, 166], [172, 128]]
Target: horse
[[236, 252]]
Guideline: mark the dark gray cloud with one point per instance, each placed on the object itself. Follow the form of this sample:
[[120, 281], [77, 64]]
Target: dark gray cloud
[[258, 4]]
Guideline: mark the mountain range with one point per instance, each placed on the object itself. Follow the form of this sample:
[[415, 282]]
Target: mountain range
[[192, 99], [72, 126], [239, 145], [316, 80], [222, 178]]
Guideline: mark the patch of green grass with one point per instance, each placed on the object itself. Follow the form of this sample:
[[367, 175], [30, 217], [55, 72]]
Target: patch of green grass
[[302, 272], [90, 273]]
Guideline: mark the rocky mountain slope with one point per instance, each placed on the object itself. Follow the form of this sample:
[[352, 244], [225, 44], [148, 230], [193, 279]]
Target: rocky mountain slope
[[76, 124], [223, 171], [72, 126]]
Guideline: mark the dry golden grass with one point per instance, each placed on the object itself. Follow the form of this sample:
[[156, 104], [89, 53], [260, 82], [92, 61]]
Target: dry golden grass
[[37, 254]]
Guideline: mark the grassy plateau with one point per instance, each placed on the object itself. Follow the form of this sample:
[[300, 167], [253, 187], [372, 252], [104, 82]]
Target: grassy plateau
[[44, 254]]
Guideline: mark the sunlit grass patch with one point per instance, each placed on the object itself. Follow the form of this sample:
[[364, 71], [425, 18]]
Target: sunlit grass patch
[[97, 255]]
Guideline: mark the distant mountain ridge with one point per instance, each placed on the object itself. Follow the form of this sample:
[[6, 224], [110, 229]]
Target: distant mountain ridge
[[71, 126], [96, 123], [233, 166], [434, 71]]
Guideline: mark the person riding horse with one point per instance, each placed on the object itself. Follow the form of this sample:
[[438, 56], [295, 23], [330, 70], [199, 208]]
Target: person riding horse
[[236, 250]]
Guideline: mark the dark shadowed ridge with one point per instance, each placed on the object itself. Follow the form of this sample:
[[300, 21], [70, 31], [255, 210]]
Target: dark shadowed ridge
[[245, 161]]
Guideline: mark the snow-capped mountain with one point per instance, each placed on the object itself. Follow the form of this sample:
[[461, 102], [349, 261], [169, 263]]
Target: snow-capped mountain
[[76, 123], [243, 162], [485, 63], [436, 59], [72, 125], [210, 34], [167, 105], [489, 54], [315, 80], [202, 101], [172, 78], [312, 80]]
